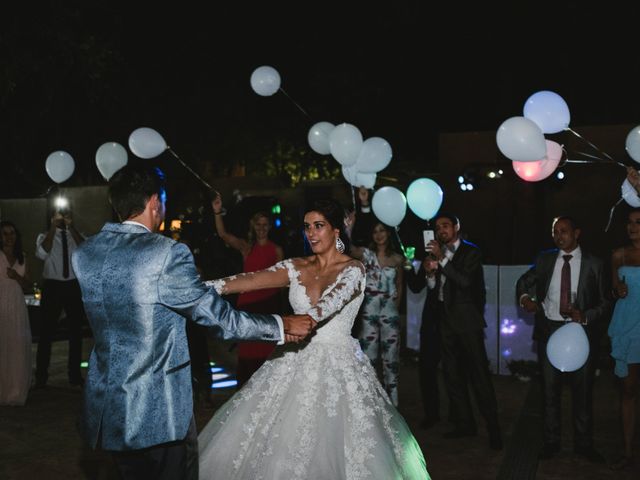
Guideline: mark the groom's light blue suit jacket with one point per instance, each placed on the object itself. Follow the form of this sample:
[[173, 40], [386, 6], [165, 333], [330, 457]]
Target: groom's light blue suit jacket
[[138, 289]]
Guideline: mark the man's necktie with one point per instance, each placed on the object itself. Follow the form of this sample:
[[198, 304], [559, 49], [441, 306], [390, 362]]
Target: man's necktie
[[65, 254], [565, 285]]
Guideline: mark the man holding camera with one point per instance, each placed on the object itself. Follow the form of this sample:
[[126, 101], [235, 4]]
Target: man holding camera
[[456, 299], [60, 291]]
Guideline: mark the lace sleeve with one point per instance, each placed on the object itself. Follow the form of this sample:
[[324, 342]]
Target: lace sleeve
[[272, 277], [348, 286]]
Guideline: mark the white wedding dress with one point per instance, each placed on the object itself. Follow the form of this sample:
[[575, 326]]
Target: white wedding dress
[[314, 410]]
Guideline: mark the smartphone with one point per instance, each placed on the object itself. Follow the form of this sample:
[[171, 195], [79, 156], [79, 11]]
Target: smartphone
[[428, 235]]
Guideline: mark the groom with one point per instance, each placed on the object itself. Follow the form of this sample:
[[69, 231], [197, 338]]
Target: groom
[[138, 289]]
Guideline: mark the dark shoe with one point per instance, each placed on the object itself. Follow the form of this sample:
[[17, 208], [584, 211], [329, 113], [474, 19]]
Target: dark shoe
[[590, 454], [623, 463], [495, 439], [77, 382], [427, 423], [40, 384], [460, 433], [548, 450]]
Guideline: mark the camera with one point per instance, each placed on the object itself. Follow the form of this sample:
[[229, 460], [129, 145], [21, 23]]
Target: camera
[[61, 205]]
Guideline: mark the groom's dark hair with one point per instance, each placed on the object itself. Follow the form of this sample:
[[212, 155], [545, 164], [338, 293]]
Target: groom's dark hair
[[131, 187]]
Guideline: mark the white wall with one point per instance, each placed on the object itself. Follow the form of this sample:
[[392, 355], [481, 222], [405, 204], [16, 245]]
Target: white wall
[[509, 328]]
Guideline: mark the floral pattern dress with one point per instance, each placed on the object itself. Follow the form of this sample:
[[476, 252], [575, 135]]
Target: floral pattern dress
[[314, 410], [379, 329]]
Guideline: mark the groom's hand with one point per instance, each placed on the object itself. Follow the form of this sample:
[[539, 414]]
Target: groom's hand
[[298, 325]]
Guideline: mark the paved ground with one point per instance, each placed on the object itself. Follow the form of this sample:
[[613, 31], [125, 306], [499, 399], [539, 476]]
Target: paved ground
[[40, 440]]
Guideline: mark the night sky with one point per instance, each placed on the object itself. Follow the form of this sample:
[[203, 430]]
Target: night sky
[[76, 75]]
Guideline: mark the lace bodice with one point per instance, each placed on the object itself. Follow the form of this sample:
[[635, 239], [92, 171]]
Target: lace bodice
[[314, 410], [336, 309]]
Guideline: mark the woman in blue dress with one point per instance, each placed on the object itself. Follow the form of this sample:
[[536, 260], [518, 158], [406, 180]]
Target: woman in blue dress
[[624, 329]]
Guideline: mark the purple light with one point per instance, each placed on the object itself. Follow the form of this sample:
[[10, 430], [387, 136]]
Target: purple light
[[506, 352], [508, 327]]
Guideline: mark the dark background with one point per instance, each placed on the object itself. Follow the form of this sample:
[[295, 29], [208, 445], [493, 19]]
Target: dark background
[[78, 73]]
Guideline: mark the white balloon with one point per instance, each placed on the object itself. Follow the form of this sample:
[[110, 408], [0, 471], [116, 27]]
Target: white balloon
[[568, 347], [548, 110], [318, 137], [350, 174], [265, 80], [389, 205], [630, 194], [345, 143], [366, 180], [145, 142], [632, 144], [110, 157], [520, 139], [374, 156], [59, 166]]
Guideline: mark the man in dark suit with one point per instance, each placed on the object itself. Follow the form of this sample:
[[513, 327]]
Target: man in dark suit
[[430, 345], [566, 284], [455, 303]]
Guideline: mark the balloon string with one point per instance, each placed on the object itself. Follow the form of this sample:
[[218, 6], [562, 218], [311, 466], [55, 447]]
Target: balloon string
[[594, 147], [190, 170], [611, 213], [404, 252], [592, 156], [589, 162], [295, 103]]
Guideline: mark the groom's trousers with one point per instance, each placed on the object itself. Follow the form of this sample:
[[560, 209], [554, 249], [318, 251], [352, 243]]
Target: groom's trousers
[[168, 461]]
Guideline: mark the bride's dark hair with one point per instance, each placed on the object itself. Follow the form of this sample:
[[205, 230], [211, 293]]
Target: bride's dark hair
[[335, 215]]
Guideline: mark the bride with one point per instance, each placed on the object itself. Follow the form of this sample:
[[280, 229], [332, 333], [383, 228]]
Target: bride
[[315, 410]]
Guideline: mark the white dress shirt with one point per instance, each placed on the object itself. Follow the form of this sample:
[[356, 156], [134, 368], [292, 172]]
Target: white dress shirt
[[449, 252], [551, 304], [53, 258]]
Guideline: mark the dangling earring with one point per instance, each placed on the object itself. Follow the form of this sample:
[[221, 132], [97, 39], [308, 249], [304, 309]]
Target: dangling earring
[[339, 245]]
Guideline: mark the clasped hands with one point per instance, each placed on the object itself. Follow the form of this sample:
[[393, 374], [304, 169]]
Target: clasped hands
[[297, 327], [575, 314]]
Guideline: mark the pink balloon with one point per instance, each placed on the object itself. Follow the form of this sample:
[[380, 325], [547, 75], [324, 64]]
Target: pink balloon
[[540, 169]]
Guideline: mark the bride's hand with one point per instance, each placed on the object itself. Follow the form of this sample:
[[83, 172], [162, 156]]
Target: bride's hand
[[292, 338], [298, 325]]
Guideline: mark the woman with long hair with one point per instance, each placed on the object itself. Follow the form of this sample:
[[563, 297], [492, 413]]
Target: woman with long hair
[[258, 253], [15, 333], [315, 409], [624, 330], [379, 327]]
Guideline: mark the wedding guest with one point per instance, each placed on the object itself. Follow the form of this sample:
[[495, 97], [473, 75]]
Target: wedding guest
[[624, 330], [379, 320], [551, 290], [258, 253], [455, 279], [15, 333], [60, 291]]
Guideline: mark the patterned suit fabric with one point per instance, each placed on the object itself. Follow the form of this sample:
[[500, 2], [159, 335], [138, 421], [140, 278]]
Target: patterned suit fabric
[[139, 288]]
